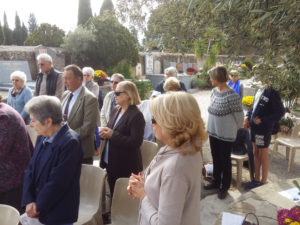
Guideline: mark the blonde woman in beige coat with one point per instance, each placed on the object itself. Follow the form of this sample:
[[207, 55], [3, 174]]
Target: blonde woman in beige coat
[[170, 188]]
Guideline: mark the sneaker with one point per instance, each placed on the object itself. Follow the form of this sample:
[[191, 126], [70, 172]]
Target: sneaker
[[222, 193], [252, 184], [211, 186]]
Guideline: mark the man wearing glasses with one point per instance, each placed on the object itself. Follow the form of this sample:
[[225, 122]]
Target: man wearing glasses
[[48, 81], [109, 100]]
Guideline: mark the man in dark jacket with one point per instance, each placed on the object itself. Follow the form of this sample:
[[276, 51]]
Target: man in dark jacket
[[266, 110], [169, 72], [48, 81]]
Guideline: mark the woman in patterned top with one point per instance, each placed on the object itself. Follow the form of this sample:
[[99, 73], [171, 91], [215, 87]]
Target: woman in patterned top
[[225, 117]]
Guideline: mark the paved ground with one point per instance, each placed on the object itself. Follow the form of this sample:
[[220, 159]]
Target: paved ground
[[211, 206]]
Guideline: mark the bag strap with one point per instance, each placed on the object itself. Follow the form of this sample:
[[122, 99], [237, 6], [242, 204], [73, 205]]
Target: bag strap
[[253, 215]]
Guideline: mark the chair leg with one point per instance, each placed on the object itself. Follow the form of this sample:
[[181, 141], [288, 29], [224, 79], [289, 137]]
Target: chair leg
[[239, 167], [275, 149], [287, 153], [291, 159]]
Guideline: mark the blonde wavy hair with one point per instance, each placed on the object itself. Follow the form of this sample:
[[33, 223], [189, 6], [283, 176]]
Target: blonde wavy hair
[[179, 116]]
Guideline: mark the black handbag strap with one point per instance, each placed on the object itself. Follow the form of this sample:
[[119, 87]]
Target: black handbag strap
[[253, 215]]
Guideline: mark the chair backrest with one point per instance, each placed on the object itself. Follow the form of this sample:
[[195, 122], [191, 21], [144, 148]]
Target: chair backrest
[[124, 210], [296, 130], [92, 181], [148, 150], [32, 133], [9, 215]]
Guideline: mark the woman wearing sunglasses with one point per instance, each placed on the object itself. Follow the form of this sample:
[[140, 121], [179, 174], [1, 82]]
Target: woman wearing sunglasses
[[124, 135], [170, 188]]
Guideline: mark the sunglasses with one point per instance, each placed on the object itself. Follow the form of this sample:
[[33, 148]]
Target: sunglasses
[[114, 82], [153, 121], [117, 93]]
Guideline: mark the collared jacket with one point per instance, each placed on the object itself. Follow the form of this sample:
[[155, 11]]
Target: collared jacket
[[18, 102], [269, 109], [54, 184], [124, 156], [83, 118]]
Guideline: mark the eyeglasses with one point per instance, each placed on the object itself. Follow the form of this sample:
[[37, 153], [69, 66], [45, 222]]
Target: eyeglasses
[[153, 121], [117, 93], [114, 82], [41, 64], [86, 75]]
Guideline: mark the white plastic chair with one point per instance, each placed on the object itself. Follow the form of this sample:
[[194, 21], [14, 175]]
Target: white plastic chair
[[291, 144], [148, 150], [9, 215], [92, 181], [124, 210]]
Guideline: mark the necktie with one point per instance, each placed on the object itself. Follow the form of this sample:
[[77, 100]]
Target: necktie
[[65, 116]]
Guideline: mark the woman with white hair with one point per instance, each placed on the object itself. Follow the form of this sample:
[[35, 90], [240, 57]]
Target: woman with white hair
[[19, 94], [234, 82], [88, 74], [169, 72]]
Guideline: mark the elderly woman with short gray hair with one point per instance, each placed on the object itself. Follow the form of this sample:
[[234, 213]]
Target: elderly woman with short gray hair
[[19, 94], [88, 74], [169, 72], [51, 181]]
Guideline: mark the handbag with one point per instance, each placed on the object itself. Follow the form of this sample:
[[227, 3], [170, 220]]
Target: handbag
[[245, 222]]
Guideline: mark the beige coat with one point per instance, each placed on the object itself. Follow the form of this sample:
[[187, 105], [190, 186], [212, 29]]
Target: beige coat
[[172, 184], [83, 118]]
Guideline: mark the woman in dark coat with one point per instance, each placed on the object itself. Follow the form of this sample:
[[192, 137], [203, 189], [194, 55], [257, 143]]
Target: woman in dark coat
[[124, 135]]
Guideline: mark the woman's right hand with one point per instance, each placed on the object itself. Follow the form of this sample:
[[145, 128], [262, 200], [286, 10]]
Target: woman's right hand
[[136, 186], [31, 210]]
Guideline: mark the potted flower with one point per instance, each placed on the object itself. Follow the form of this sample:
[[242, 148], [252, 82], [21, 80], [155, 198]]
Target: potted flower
[[247, 101], [286, 124], [292, 216], [100, 76]]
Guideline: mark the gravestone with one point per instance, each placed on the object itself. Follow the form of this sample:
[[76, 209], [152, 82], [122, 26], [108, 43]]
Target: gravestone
[[157, 67], [7, 67], [138, 71], [149, 64]]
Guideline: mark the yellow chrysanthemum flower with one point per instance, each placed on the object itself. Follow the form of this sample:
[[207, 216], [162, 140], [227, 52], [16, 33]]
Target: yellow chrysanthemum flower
[[243, 65]]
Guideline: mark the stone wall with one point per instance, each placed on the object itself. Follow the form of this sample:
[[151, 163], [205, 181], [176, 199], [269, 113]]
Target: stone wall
[[29, 54]]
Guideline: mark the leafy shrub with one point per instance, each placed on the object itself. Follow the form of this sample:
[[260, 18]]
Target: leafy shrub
[[144, 87], [123, 68]]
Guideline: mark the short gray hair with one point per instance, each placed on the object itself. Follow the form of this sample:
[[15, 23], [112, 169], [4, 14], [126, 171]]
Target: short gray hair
[[18, 74], [119, 76], [43, 107], [171, 70], [88, 70], [45, 57]]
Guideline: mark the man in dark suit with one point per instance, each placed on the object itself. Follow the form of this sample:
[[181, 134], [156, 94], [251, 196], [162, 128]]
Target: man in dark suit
[[80, 109]]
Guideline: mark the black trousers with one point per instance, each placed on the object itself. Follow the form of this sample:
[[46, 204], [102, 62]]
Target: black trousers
[[87, 161], [13, 198], [221, 151]]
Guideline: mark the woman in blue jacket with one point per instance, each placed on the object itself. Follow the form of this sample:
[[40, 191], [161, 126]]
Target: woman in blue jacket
[[51, 181], [19, 94]]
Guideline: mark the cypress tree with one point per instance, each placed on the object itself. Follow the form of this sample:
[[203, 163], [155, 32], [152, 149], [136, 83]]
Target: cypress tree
[[32, 23], [107, 6], [8, 39], [17, 33], [24, 33], [1, 35], [84, 11]]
